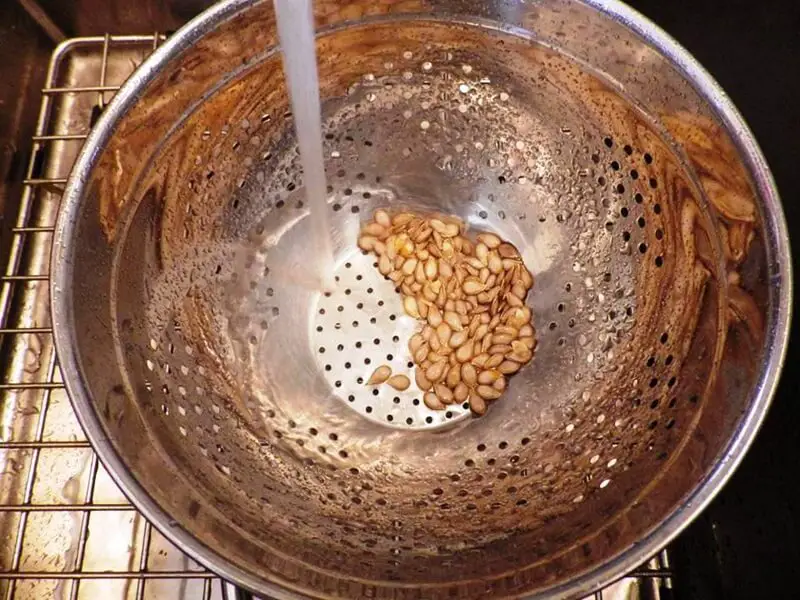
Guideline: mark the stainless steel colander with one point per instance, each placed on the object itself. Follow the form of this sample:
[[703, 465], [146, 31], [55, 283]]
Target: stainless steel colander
[[225, 393]]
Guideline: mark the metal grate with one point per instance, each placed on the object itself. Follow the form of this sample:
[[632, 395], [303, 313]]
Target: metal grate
[[66, 531]]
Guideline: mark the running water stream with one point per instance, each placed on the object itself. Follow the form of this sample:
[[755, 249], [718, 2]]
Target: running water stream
[[296, 35]]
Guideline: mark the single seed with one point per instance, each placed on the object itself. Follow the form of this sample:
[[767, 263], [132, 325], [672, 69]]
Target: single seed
[[520, 354], [502, 338], [432, 401], [451, 230], [443, 332], [500, 384], [436, 345], [519, 290], [401, 219], [431, 268], [461, 392], [461, 307], [380, 375], [472, 286], [526, 278], [529, 341], [477, 404], [495, 263], [436, 371], [434, 316], [410, 306], [499, 349], [382, 218], [409, 266], [453, 320], [513, 300], [482, 253], [426, 333], [490, 240], [391, 247], [506, 250], [438, 226], [422, 381], [487, 392], [399, 382], [489, 376], [494, 361], [367, 242], [469, 374], [480, 360], [384, 265], [423, 306], [508, 367], [480, 331], [444, 393], [445, 270], [419, 273], [421, 354], [526, 331], [379, 248], [458, 338], [464, 352], [453, 376], [375, 230]]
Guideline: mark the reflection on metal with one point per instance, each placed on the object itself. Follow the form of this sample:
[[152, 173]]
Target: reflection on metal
[[66, 531]]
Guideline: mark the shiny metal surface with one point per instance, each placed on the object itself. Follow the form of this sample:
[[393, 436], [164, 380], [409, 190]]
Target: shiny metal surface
[[43, 446], [716, 302]]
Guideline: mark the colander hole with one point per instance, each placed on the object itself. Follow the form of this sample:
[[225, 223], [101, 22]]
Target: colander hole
[[648, 158], [653, 183], [671, 382], [659, 234], [641, 222], [620, 189], [642, 248], [628, 150], [664, 337], [638, 198], [624, 211], [668, 360], [608, 142], [615, 165], [659, 261], [670, 424], [634, 174], [657, 208], [483, 214], [626, 236]]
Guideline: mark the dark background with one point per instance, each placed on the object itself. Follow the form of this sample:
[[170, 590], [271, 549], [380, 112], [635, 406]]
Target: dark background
[[746, 545]]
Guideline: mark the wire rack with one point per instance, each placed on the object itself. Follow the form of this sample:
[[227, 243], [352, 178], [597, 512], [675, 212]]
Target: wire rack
[[66, 531]]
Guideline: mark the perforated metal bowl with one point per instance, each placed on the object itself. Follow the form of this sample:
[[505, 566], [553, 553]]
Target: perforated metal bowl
[[225, 394]]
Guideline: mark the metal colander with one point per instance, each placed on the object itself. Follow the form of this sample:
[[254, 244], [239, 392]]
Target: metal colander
[[226, 393]]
